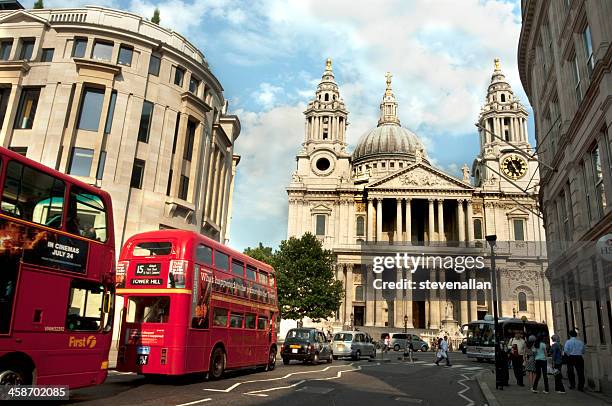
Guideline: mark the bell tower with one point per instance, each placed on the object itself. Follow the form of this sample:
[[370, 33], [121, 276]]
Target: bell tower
[[326, 114], [505, 158]]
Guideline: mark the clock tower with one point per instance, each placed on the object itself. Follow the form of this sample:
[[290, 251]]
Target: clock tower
[[505, 160]]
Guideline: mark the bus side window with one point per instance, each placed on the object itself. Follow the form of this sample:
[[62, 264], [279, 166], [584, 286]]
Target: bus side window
[[262, 322], [86, 215], [204, 255], [84, 306], [32, 195]]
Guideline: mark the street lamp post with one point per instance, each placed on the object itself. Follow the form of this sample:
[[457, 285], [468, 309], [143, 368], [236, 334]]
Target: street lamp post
[[405, 324], [501, 367], [352, 319]]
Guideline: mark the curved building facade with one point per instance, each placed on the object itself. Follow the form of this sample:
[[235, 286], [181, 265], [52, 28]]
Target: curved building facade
[[122, 103], [565, 60]]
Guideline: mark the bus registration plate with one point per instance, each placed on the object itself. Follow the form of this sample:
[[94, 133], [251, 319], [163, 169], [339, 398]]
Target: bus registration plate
[[143, 355]]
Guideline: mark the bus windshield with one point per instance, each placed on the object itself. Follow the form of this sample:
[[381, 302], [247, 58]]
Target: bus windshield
[[148, 309], [481, 334]]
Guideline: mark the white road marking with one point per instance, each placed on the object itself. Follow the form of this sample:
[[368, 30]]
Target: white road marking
[[259, 392], [234, 386], [472, 368], [120, 373], [195, 402], [465, 389]]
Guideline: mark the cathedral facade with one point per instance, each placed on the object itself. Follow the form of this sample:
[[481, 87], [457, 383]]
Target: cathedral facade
[[386, 195]]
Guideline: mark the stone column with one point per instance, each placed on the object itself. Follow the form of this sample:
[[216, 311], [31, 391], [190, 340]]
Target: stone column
[[430, 227], [460, 220], [351, 222], [292, 217], [398, 222], [442, 296], [408, 300], [349, 288], [464, 302], [408, 221], [378, 219], [398, 303], [434, 306], [369, 296], [470, 221], [370, 220], [441, 236], [340, 277]]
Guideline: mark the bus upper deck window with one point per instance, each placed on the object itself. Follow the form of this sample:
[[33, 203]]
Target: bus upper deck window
[[152, 248], [86, 215]]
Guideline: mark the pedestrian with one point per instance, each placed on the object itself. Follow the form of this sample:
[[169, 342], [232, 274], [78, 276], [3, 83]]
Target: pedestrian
[[541, 365], [574, 348], [517, 350], [529, 360], [443, 352], [557, 358], [387, 343]]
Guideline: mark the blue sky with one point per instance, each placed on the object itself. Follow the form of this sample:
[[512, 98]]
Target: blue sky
[[269, 56]]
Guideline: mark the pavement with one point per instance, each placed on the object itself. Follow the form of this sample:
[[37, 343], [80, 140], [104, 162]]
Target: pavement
[[385, 381], [515, 395]]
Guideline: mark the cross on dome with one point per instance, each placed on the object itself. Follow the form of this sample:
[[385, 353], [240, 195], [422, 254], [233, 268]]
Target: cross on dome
[[388, 106]]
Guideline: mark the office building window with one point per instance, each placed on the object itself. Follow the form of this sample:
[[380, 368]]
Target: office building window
[[125, 55], [519, 229], [47, 55], [176, 129], [91, 109], [145, 121], [137, 173], [359, 293], [189, 140], [101, 164], [20, 150], [5, 93], [111, 113], [179, 74], [588, 49], [80, 162], [154, 64], [5, 49], [27, 49], [587, 192], [169, 185], [597, 176], [26, 111], [576, 73], [102, 50], [320, 224], [194, 85], [183, 187], [78, 48]]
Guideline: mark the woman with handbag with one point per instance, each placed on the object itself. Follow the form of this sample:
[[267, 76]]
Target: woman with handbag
[[530, 365], [557, 358]]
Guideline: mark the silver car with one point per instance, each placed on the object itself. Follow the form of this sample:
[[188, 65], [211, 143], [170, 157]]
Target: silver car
[[401, 341], [354, 344]]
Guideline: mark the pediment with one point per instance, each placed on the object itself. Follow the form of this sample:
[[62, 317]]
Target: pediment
[[22, 16], [420, 176], [321, 208], [517, 212]]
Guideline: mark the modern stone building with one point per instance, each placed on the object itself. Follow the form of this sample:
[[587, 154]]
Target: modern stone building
[[122, 103], [387, 192], [565, 58]]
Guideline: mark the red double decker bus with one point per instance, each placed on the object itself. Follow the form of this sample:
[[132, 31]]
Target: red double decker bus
[[56, 276], [193, 305]]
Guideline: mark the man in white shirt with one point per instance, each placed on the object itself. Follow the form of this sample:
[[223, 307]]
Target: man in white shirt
[[516, 357], [574, 348], [444, 352]]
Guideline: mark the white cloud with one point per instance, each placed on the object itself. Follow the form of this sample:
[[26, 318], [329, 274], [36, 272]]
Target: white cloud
[[267, 94]]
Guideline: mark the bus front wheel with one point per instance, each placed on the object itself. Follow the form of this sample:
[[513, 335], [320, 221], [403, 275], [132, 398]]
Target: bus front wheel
[[217, 363], [14, 376], [271, 360]]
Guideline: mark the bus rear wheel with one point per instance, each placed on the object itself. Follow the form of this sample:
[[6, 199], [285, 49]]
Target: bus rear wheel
[[14, 376], [271, 360], [217, 364]]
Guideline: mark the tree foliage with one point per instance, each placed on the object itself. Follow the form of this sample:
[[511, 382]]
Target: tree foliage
[[39, 4], [305, 279], [261, 253], [155, 18]]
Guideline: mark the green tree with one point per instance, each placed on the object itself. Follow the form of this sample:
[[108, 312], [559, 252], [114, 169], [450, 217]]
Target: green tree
[[305, 279], [39, 4], [155, 18], [261, 253]]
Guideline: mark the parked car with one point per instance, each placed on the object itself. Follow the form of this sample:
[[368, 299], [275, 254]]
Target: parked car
[[354, 344], [401, 340], [306, 345]]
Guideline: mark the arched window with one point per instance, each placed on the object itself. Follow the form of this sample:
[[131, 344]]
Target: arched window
[[503, 97], [359, 293], [522, 302], [478, 229], [360, 226], [326, 96], [480, 298]]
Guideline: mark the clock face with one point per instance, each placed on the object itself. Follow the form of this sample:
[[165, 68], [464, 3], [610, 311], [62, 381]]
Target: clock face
[[514, 166]]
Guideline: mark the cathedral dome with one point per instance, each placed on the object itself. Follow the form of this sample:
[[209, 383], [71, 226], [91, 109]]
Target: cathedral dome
[[388, 140]]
